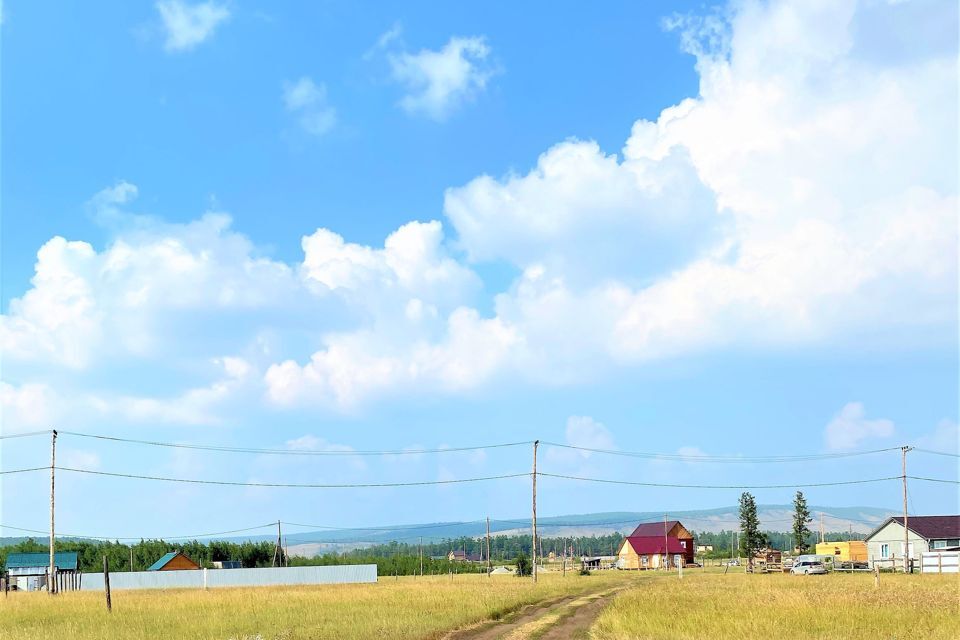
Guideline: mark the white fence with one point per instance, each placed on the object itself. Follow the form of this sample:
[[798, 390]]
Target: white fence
[[940, 562], [210, 578]]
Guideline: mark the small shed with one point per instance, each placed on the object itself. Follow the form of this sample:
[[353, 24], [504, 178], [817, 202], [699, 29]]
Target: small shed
[[173, 561], [29, 571]]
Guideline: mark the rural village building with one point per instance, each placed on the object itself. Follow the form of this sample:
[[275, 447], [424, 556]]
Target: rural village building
[[28, 571], [644, 548], [463, 556], [173, 561], [927, 533]]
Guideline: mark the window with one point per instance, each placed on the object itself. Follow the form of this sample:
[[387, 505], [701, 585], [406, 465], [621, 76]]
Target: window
[[643, 560], [884, 551], [943, 544], [683, 543]]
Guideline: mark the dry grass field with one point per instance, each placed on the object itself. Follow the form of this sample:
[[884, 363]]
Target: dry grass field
[[392, 609], [702, 605], [784, 607]]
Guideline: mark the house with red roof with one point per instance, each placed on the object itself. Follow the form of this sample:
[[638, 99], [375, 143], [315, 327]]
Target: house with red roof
[[653, 545]]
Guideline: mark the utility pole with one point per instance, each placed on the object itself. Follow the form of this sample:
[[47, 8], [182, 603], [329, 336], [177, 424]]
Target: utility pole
[[489, 565], [906, 532], [533, 555], [822, 539], [51, 588], [131, 557], [666, 552], [278, 552], [420, 545]]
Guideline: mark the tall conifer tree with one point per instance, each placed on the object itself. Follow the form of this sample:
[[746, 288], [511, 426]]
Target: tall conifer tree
[[751, 539], [801, 517]]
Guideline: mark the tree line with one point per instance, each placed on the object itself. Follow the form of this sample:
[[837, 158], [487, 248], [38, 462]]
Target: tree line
[[406, 558], [90, 553]]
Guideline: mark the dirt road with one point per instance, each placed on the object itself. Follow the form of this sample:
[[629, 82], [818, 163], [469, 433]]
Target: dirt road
[[562, 619]]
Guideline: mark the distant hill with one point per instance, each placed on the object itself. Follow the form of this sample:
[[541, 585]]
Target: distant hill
[[773, 517]]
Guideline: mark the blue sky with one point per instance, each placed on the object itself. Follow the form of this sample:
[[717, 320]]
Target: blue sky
[[690, 229]]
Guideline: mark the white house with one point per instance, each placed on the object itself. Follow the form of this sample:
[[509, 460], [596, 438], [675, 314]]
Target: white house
[[927, 533]]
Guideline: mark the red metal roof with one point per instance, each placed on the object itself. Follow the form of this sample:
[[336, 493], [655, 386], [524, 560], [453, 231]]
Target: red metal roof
[[654, 528], [646, 545], [933, 527]]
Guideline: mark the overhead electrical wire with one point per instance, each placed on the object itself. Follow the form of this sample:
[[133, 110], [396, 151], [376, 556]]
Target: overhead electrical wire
[[707, 486], [294, 452], [720, 458], [363, 485], [6, 471], [937, 453], [24, 435], [188, 537], [932, 479], [352, 485], [744, 459]]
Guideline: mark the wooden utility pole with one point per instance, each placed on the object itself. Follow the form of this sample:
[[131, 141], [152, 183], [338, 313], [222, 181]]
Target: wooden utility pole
[[51, 586], [533, 554], [278, 551], [489, 565], [540, 549], [420, 546], [131, 557], [822, 539], [906, 531], [564, 561], [666, 552], [106, 583]]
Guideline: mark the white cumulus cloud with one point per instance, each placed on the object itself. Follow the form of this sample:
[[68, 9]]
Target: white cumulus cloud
[[438, 82], [188, 25], [851, 427], [308, 102]]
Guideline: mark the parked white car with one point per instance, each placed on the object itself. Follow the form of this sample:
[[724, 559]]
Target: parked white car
[[808, 567]]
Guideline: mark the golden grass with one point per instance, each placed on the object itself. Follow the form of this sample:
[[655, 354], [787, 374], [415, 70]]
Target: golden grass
[[394, 608], [711, 605], [784, 607]]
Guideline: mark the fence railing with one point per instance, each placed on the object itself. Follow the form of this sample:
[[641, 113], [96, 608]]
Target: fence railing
[[212, 578]]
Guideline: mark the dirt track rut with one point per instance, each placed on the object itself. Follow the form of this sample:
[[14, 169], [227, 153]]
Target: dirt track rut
[[561, 619]]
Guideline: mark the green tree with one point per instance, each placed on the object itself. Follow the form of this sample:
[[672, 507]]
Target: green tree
[[523, 564], [801, 517], [751, 539]]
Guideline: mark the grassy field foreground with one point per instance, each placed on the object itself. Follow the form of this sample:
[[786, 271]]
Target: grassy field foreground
[[393, 608], [784, 607]]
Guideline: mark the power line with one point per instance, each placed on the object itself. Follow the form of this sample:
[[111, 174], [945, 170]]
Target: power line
[[24, 435], [932, 480], [293, 485], [937, 453], [292, 452], [6, 471], [707, 486], [718, 458], [188, 537]]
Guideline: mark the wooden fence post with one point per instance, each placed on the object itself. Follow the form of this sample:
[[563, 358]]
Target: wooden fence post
[[876, 576], [106, 583]]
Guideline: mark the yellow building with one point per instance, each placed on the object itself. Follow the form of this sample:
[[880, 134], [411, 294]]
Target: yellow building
[[853, 551]]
